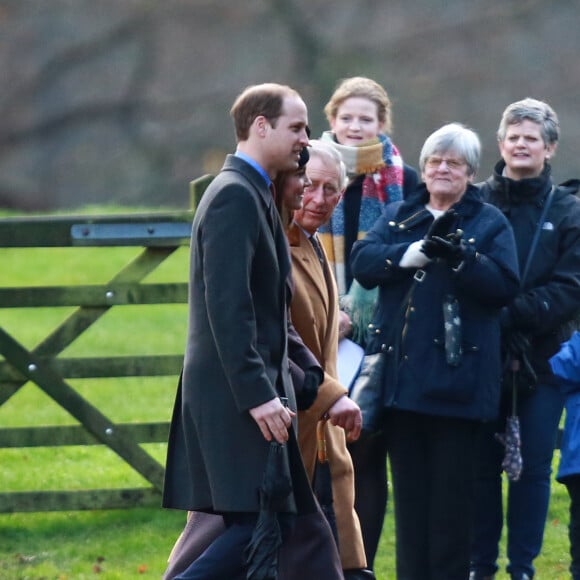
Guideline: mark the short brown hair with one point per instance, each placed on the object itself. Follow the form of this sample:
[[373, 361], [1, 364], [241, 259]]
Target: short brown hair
[[533, 110], [365, 88], [258, 100]]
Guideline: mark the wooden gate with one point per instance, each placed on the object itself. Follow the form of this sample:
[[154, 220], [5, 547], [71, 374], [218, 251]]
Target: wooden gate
[[158, 236]]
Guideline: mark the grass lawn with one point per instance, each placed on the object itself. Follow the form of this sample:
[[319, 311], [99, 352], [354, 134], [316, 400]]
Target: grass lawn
[[112, 543], [120, 544]]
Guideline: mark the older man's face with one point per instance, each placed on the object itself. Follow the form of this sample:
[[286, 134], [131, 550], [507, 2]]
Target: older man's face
[[321, 196]]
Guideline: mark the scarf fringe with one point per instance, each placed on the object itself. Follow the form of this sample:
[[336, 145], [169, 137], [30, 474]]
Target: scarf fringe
[[360, 304]]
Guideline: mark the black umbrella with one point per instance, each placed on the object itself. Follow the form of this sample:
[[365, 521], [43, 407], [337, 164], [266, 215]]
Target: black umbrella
[[323, 480], [262, 551], [512, 460], [511, 439]]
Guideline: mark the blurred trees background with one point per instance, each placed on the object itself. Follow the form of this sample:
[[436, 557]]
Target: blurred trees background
[[126, 101]]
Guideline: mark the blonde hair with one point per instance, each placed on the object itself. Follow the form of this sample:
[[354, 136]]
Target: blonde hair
[[365, 88]]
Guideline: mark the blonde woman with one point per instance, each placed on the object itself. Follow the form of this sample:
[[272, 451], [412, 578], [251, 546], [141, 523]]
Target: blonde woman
[[359, 115]]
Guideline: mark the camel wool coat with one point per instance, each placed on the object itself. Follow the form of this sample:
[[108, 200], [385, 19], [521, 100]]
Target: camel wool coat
[[314, 312]]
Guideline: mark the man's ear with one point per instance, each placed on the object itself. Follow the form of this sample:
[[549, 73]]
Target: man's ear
[[261, 124]]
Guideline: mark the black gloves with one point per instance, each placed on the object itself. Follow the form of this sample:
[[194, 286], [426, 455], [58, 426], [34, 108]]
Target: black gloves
[[452, 249], [518, 351], [442, 225], [306, 396], [517, 355], [444, 242], [516, 342]]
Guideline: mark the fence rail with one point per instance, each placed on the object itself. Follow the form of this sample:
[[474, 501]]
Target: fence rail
[[158, 235]]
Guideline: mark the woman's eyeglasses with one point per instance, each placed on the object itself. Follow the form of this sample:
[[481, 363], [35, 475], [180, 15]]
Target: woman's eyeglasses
[[435, 162]]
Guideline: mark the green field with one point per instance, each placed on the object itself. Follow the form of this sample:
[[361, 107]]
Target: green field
[[119, 544]]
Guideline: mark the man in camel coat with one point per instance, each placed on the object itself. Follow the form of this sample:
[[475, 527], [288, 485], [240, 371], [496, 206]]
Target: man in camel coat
[[315, 316]]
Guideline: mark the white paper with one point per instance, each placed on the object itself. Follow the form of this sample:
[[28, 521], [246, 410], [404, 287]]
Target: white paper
[[350, 356]]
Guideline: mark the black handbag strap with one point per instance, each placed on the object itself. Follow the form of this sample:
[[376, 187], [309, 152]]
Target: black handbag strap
[[536, 237], [525, 272]]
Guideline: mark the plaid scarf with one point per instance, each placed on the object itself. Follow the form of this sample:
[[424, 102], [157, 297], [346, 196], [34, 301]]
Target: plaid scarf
[[380, 160]]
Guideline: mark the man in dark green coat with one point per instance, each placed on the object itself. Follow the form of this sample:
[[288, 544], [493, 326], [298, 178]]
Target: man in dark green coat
[[228, 405]]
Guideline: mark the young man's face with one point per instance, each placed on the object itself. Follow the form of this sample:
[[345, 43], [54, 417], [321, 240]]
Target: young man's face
[[286, 139]]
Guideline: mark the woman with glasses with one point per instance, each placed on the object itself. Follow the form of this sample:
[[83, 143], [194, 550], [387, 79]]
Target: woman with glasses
[[537, 320], [444, 263]]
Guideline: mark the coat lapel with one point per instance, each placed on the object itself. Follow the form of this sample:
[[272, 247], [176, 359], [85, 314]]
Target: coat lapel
[[307, 258], [271, 215]]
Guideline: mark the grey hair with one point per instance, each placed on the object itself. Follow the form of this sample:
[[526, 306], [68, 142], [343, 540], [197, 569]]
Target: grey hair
[[535, 111], [326, 151], [453, 137]]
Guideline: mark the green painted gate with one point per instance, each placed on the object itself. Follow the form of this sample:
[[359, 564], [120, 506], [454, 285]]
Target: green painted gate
[[158, 236]]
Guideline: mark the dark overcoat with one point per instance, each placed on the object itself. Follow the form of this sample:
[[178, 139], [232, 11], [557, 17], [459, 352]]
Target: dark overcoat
[[419, 378], [236, 353]]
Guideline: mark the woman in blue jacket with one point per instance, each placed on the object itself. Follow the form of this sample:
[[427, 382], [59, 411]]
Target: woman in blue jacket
[[445, 264]]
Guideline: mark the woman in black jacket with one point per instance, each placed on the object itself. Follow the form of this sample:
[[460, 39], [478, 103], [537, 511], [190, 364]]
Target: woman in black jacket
[[533, 326]]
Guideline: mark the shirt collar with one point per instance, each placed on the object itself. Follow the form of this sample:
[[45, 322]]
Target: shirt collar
[[255, 165], [307, 234]]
